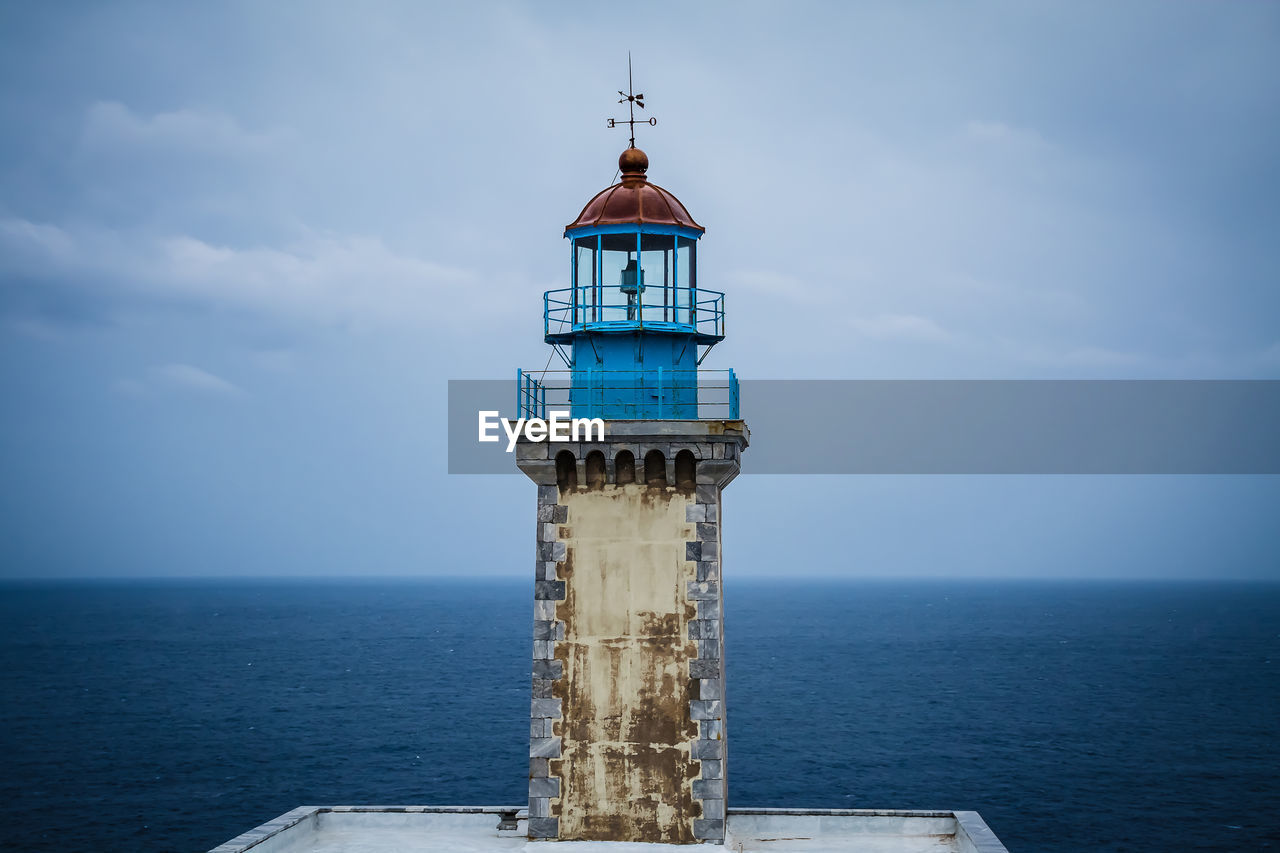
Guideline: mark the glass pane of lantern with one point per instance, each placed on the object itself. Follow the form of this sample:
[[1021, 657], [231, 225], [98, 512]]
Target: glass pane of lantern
[[585, 271], [620, 277], [686, 276], [655, 261]]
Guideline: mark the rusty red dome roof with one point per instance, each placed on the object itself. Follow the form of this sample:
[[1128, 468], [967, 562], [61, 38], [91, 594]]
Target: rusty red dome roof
[[634, 200]]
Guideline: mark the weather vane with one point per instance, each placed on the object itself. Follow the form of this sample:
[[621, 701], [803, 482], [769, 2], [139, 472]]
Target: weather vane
[[633, 100]]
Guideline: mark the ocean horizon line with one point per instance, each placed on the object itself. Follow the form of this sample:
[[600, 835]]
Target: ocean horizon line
[[26, 580]]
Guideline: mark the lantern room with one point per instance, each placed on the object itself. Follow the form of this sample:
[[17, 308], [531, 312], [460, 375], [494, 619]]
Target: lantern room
[[634, 325], [635, 264]]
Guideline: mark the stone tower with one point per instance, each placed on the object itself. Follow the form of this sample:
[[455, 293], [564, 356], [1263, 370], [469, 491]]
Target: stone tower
[[627, 732]]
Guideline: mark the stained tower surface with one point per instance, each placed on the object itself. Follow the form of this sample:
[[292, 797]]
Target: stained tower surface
[[628, 714], [628, 730]]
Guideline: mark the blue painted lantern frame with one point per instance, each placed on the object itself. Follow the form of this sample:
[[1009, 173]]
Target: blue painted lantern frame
[[704, 320]]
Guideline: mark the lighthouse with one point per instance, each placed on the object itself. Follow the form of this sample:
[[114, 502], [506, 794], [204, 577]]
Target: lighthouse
[[628, 730]]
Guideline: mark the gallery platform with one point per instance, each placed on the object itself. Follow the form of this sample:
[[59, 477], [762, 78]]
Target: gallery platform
[[482, 829]]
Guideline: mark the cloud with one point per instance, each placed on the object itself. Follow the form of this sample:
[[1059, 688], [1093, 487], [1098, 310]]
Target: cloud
[[1102, 361], [112, 126], [274, 360], [129, 388], [192, 378], [33, 328], [319, 279], [333, 279], [31, 246], [175, 377], [769, 282], [998, 132], [782, 286], [909, 327], [1102, 357]]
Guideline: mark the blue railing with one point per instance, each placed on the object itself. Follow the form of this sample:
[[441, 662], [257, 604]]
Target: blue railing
[[589, 307], [531, 396], [654, 394]]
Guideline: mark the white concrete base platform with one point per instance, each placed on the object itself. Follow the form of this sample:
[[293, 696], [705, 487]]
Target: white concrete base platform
[[488, 829]]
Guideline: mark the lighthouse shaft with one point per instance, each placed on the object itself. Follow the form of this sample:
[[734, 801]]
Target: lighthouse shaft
[[628, 727]]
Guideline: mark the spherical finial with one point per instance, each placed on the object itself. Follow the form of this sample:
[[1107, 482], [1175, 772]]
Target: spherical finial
[[633, 160]]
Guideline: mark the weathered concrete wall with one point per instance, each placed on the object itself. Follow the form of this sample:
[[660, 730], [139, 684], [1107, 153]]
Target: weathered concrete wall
[[625, 755], [627, 735]]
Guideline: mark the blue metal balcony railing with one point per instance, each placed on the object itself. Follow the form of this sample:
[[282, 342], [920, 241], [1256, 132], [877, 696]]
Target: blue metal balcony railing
[[656, 394], [612, 308], [531, 396]]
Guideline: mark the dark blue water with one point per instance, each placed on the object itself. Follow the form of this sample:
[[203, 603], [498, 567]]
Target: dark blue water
[[1074, 717]]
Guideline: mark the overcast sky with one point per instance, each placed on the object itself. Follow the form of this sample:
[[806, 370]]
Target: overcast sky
[[244, 245]]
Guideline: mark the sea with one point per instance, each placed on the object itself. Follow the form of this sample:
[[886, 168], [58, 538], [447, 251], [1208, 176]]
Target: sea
[[1074, 716]]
